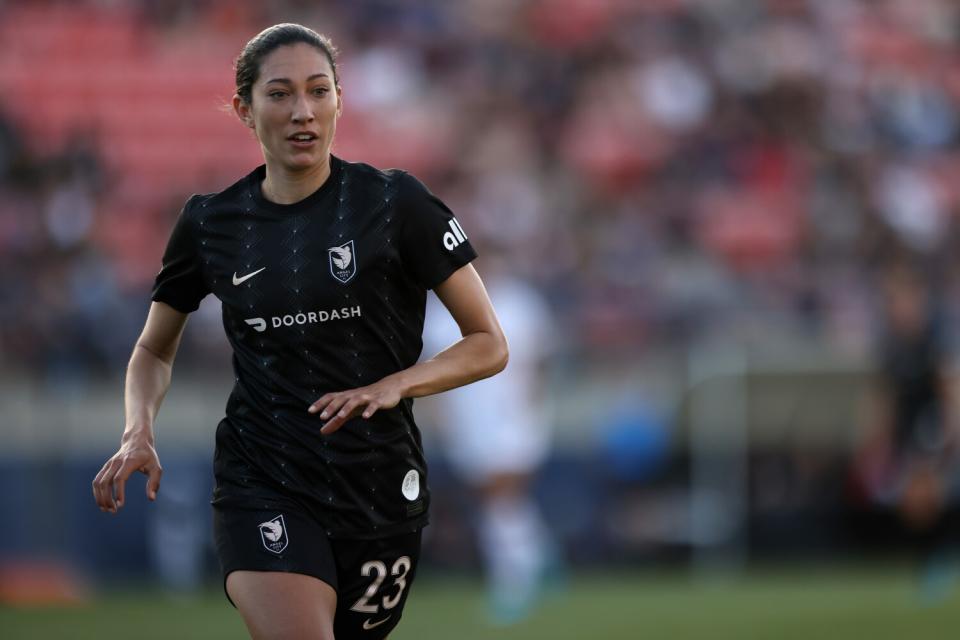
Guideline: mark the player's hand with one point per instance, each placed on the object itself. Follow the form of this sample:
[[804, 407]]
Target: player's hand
[[136, 454], [339, 406]]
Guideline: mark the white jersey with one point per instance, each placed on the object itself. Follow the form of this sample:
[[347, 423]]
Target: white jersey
[[497, 425]]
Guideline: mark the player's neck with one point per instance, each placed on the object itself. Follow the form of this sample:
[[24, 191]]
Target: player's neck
[[286, 187]]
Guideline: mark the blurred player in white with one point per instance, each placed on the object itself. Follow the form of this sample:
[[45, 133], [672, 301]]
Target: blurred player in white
[[496, 434]]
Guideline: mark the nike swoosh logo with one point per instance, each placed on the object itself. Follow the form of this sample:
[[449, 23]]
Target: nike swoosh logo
[[367, 625], [237, 280]]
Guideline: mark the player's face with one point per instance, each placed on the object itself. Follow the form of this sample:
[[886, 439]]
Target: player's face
[[294, 107]]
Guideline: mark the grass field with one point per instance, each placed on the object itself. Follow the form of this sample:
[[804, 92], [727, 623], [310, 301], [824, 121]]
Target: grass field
[[824, 604]]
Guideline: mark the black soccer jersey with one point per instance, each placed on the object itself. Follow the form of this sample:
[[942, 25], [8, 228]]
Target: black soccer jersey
[[326, 294]]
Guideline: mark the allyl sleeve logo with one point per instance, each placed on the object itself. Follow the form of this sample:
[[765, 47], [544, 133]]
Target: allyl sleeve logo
[[455, 237]]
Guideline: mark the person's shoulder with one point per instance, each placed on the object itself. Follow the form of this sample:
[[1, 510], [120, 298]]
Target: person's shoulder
[[365, 171], [232, 196]]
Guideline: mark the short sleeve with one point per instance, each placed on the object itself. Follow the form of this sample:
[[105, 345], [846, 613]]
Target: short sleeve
[[180, 282], [433, 243]]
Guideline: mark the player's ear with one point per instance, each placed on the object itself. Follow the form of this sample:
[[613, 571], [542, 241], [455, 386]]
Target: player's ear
[[242, 108], [339, 101]]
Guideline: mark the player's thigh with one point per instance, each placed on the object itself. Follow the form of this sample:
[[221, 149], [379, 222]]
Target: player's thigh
[[283, 606], [278, 568], [374, 577]]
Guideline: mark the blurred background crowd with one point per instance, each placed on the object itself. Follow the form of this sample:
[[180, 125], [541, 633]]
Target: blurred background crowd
[[675, 177], [665, 171]]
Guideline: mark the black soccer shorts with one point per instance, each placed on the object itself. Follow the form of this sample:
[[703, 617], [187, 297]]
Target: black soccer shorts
[[371, 577]]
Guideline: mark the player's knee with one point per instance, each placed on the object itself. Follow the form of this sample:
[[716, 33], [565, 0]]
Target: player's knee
[[288, 632], [277, 624]]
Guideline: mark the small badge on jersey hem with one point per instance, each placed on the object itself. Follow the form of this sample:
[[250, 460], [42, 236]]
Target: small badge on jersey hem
[[273, 533], [343, 262], [416, 508]]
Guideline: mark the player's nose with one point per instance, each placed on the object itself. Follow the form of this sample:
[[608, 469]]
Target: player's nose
[[302, 110]]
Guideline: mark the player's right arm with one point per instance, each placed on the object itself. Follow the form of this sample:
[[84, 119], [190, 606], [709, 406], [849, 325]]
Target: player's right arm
[[148, 378]]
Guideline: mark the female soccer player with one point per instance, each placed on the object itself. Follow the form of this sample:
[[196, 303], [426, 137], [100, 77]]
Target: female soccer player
[[322, 268]]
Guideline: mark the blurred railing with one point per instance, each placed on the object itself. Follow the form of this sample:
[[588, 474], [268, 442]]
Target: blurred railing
[[645, 460], [796, 401]]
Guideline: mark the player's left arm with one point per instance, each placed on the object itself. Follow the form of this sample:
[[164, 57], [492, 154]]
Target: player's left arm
[[480, 353]]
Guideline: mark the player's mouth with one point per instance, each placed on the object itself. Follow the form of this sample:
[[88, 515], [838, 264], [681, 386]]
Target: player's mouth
[[303, 139]]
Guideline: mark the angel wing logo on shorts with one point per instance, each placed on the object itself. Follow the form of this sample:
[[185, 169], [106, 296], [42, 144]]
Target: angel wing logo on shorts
[[273, 533], [343, 262]]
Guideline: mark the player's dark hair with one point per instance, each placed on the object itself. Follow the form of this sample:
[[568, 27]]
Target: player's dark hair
[[262, 44]]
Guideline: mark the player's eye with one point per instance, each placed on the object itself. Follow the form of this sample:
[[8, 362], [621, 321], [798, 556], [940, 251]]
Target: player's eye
[[320, 91], [277, 95]]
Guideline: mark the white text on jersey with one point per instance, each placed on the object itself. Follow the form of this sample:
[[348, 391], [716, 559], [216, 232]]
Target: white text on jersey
[[455, 237], [311, 317]]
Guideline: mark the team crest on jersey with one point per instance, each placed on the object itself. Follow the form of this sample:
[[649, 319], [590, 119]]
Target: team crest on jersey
[[274, 534], [343, 262]]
